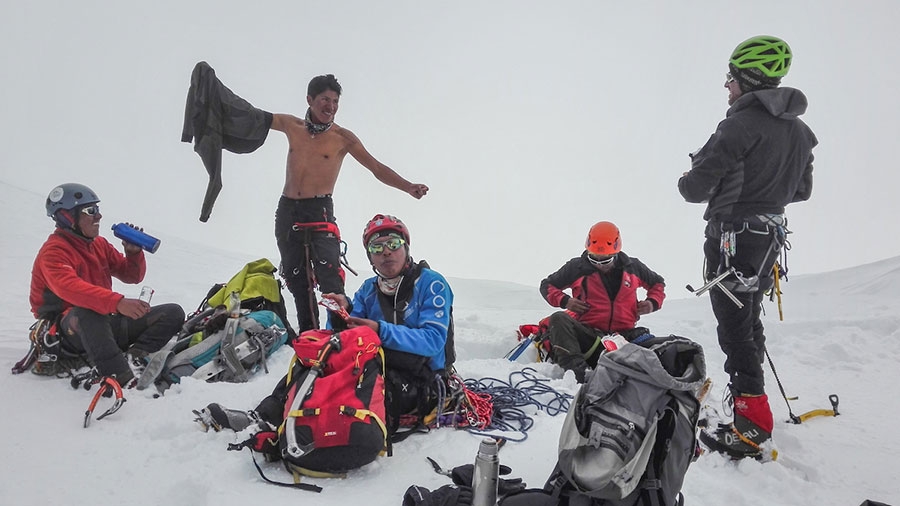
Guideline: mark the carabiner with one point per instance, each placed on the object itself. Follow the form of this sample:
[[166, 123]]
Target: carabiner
[[106, 383]]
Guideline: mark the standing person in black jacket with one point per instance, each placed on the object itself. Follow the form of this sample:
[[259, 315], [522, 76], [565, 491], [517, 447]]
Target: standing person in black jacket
[[758, 161]]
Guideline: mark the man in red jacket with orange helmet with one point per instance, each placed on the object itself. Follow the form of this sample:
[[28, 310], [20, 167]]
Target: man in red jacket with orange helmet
[[603, 282]]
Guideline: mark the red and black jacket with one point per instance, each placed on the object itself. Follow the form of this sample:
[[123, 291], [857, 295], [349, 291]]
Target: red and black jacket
[[586, 284], [70, 270]]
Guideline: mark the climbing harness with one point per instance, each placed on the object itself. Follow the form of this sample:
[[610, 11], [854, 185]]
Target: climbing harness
[[308, 229], [774, 225]]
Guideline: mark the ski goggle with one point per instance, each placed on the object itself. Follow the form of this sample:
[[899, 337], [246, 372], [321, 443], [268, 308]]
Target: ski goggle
[[91, 210], [601, 261], [393, 244]]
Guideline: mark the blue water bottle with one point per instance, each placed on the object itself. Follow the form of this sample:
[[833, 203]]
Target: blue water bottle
[[130, 234]]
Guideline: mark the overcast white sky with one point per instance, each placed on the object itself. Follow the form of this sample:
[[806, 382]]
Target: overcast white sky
[[529, 120]]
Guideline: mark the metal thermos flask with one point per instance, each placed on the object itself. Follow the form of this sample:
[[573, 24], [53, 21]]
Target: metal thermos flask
[[486, 477], [134, 236]]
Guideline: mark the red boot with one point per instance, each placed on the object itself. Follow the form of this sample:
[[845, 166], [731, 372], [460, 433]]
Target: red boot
[[752, 428]]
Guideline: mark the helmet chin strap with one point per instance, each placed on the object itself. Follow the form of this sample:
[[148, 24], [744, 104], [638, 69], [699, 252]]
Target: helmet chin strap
[[65, 220]]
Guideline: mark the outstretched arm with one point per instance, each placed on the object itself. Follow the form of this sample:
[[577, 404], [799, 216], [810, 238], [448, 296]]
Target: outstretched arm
[[281, 122], [381, 171]]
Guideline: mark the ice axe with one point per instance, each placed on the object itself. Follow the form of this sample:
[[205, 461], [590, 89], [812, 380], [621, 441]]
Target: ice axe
[[833, 398], [292, 448], [717, 281]]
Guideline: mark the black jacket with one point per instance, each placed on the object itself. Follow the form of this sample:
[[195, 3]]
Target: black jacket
[[758, 160], [216, 118]]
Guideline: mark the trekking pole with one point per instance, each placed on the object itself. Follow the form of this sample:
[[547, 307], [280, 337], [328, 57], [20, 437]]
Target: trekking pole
[[793, 418], [292, 448]]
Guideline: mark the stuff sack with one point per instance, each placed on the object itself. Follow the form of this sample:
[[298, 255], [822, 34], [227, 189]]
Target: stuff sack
[[631, 432], [334, 413], [259, 290]]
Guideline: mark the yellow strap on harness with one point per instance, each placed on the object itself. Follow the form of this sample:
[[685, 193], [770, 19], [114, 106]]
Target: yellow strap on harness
[[777, 289]]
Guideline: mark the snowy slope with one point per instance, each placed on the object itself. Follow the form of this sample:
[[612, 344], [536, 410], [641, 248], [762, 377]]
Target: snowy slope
[[836, 338]]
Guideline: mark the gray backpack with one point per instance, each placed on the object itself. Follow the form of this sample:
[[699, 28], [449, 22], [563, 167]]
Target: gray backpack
[[631, 432], [212, 347]]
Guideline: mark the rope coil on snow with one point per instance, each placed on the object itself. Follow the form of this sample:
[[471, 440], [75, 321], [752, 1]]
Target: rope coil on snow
[[524, 388]]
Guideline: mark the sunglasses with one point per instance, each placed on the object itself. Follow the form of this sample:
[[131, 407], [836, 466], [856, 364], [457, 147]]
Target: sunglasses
[[393, 244], [729, 78], [91, 210], [604, 261]]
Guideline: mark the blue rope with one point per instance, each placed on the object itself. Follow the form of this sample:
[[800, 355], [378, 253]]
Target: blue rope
[[523, 389]]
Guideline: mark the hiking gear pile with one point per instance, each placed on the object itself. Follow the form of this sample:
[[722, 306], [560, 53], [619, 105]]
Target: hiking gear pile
[[231, 334], [45, 355], [213, 346]]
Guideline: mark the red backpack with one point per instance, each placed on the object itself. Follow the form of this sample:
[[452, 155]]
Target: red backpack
[[334, 414]]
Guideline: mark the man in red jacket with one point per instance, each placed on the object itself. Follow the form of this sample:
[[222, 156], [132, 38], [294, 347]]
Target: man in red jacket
[[603, 282], [72, 281]]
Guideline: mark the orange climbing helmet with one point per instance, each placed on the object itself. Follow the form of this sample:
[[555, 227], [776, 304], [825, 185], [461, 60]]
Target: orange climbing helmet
[[603, 239]]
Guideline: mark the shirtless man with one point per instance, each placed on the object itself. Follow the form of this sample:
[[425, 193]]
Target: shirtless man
[[317, 147]]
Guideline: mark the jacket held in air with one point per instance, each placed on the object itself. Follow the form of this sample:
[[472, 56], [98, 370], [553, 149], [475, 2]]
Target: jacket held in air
[[216, 118]]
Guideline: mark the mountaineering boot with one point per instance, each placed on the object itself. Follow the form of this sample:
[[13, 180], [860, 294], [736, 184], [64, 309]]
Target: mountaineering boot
[[750, 433], [137, 362], [572, 362], [216, 417]]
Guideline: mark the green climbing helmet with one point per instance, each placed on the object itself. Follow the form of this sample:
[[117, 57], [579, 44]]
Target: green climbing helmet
[[771, 55]]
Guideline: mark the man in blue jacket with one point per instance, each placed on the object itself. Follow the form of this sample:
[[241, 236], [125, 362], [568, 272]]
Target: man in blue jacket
[[409, 306], [758, 161], [406, 303]]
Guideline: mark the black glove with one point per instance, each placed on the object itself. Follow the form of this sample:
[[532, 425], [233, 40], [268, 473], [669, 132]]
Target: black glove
[[462, 476], [448, 495]]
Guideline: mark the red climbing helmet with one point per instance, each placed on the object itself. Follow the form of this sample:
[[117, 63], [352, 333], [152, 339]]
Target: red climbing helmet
[[383, 223], [603, 239]]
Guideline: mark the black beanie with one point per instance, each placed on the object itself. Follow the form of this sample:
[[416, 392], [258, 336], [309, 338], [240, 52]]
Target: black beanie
[[752, 79]]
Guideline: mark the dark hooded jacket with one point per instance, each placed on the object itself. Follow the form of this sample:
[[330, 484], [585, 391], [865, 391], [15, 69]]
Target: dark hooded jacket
[[216, 118], [758, 160]]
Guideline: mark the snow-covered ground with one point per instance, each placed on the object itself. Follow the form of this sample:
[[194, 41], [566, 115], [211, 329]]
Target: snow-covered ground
[[837, 338]]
